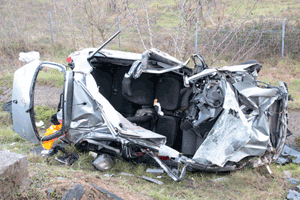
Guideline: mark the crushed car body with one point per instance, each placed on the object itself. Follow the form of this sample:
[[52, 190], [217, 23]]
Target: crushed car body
[[135, 105]]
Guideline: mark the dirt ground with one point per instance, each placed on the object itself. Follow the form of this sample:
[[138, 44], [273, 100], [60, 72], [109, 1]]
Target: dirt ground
[[294, 127]]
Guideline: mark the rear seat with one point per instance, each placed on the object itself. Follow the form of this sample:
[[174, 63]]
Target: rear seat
[[168, 95]]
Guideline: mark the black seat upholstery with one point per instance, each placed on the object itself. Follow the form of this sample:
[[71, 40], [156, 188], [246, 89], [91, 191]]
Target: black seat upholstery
[[104, 80], [168, 95], [143, 91]]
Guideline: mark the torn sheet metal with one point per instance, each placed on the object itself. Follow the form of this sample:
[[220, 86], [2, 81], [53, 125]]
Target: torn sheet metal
[[230, 133]]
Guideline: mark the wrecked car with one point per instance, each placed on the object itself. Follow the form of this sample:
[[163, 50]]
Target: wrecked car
[[134, 105]]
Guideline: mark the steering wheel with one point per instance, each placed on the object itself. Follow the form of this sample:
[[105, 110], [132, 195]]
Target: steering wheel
[[213, 94]]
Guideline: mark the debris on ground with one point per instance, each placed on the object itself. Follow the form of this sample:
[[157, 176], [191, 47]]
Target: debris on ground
[[103, 162], [155, 171], [293, 181], [287, 154], [294, 194], [68, 159], [29, 56], [151, 180], [100, 189], [125, 174], [74, 193]]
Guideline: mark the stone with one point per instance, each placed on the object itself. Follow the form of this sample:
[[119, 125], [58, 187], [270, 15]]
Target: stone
[[13, 173]]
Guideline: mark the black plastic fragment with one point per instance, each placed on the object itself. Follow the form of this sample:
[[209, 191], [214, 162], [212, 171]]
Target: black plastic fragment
[[100, 189], [75, 193], [68, 159]]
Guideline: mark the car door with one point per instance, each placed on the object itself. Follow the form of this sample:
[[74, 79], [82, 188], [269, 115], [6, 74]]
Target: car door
[[23, 96]]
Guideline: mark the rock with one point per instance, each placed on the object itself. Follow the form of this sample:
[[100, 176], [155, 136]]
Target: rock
[[13, 173]]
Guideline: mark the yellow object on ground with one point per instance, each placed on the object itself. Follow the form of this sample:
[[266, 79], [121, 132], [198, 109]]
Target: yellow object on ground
[[52, 129]]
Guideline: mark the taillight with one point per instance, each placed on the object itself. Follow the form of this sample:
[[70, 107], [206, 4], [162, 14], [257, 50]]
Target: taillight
[[69, 60]]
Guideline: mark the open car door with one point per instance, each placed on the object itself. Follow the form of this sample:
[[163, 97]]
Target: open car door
[[23, 99]]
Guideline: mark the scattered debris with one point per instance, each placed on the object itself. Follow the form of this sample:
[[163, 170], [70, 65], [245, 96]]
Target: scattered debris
[[269, 169], [39, 124], [75, 193], [288, 151], [103, 162], [100, 189], [109, 175], [294, 194], [29, 56], [126, 174], [68, 159], [282, 160], [155, 171], [293, 181], [151, 180], [93, 154]]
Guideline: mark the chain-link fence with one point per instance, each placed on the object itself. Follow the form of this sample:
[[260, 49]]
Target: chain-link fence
[[81, 24]]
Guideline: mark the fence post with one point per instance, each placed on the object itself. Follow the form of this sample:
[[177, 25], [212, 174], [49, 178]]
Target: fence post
[[51, 27], [120, 47], [283, 32], [196, 38]]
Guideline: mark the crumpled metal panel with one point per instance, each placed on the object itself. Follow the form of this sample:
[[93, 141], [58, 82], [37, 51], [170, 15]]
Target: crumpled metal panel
[[84, 111], [95, 133], [86, 120], [229, 134], [258, 118]]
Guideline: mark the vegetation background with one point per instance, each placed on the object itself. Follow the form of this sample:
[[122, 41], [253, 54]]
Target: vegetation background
[[229, 32]]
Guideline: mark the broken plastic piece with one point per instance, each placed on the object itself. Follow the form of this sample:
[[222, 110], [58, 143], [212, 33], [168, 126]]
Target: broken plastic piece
[[29, 56], [68, 159], [126, 174], [103, 162], [282, 160], [155, 171], [151, 180], [100, 189], [39, 124], [75, 193]]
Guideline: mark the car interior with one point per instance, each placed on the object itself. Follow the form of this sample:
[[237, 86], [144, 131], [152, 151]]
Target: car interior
[[140, 106]]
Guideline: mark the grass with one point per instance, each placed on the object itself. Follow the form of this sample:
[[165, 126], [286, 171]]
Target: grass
[[286, 70]]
